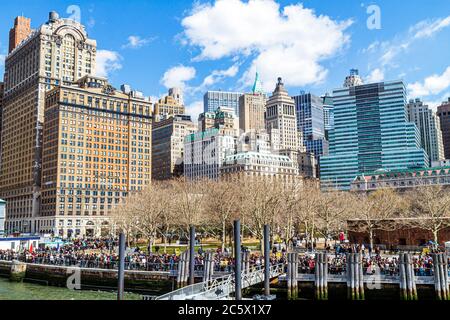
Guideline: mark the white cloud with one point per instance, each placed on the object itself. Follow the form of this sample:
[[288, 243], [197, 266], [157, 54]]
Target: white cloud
[[2, 59], [432, 85], [217, 76], [107, 62], [434, 104], [178, 76], [377, 75], [426, 29], [194, 110], [389, 51], [136, 42], [289, 42]]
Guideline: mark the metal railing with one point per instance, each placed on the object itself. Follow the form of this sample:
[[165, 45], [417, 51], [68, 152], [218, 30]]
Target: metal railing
[[221, 288]]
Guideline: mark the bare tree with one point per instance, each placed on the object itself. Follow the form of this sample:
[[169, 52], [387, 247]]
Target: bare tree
[[429, 209], [261, 203], [222, 204], [375, 211], [307, 208], [332, 213], [188, 202]]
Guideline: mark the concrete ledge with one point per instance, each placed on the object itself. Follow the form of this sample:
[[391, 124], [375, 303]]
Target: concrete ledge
[[147, 281]]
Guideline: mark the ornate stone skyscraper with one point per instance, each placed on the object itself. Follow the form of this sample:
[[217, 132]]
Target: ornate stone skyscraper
[[58, 52], [353, 79], [281, 116]]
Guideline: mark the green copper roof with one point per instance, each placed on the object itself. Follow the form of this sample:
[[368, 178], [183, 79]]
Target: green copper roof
[[257, 86]]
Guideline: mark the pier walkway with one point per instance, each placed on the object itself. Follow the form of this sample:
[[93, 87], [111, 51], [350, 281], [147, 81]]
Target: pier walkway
[[222, 288]]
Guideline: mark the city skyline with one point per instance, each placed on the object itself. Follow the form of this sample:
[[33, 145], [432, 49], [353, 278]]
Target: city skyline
[[154, 51]]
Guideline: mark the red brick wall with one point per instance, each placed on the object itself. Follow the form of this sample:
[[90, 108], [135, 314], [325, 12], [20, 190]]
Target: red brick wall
[[410, 237]]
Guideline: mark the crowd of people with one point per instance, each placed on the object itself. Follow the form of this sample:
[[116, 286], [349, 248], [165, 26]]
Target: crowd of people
[[376, 264], [102, 253]]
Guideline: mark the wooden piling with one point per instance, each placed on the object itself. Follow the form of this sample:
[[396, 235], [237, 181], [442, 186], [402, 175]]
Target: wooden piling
[[180, 271], [325, 277], [289, 275], [446, 284], [295, 275], [361, 277], [443, 276], [402, 273], [348, 271], [412, 289], [186, 268], [437, 277], [317, 278], [356, 276], [207, 271]]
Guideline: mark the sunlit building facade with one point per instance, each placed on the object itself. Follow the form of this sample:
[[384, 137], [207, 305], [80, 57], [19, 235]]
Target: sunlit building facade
[[96, 150], [58, 52], [371, 132]]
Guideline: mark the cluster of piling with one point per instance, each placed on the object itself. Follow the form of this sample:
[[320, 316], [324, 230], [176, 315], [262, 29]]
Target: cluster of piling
[[208, 266], [245, 265], [441, 276], [408, 290], [292, 274], [355, 276], [183, 270], [321, 276]]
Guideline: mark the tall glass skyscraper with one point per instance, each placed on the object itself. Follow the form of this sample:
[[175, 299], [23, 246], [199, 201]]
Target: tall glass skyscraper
[[371, 132], [310, 121], [213, 100], [328, 114]]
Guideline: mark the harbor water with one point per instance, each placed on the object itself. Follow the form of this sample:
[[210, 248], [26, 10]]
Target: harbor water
[[29, 291]]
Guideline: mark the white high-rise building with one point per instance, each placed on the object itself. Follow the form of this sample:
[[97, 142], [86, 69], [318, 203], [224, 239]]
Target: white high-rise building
[[281, 115], [205, 153], [429, 127]]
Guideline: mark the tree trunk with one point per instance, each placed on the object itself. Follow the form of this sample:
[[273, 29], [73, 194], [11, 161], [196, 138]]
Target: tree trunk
[[165, 242], [436, 237], [371, 239], [150, 245], [224, 232]]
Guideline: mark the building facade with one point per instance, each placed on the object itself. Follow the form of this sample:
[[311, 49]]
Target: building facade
[[310, 121], [2, 216], [167, 107], [328, 115], [429, 128], [205, 153], [2, 87], [371, 132], [401, 179], [168, 146], [213, 100], [251, 112], [58, 52], [251, 165], [18, 33], [96, 150], [177, 94], [222, 118], [443, 113], [281, 116]]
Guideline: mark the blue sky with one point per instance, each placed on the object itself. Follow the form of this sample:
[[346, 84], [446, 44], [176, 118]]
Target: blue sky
[[219, 45]]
